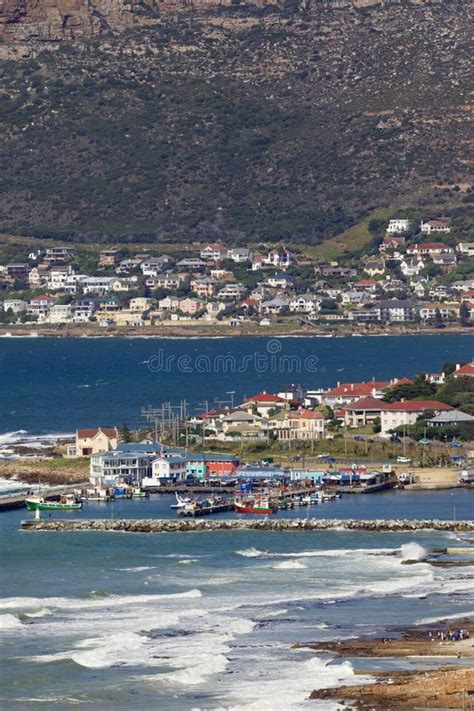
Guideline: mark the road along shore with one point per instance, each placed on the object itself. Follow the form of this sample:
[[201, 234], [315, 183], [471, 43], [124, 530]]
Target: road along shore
[[266, 524]]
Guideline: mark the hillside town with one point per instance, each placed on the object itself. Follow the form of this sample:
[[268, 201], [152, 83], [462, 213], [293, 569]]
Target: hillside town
[[430, 410], [416, 273]]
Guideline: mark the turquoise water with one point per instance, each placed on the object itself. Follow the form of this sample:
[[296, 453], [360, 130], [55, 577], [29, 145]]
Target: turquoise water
[[55, 385], [210, 620]]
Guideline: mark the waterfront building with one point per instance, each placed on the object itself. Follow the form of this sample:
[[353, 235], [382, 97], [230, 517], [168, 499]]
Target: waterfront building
[[130, 462], [165, 469], [210, 464]]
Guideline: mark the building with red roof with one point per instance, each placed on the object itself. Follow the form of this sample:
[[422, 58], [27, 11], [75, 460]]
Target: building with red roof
[[300, 425], [406, 412], [463, 371], [264, 403], [346, 393], [95, 440], [363, 411]]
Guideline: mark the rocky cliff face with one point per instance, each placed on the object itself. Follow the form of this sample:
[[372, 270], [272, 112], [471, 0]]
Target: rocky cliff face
[[29, 25], [237, 122]]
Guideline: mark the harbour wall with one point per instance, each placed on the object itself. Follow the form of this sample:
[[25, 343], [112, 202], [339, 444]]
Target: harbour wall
[[267, 524]]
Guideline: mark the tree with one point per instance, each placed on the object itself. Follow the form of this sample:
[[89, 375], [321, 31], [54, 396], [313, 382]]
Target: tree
[[125, 434], [450, 366], [438, 319], [420, 388], [464, 315]]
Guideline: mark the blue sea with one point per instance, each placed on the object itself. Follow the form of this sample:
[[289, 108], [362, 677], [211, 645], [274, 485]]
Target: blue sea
[[210, 620], [58, 384], [181, 622]]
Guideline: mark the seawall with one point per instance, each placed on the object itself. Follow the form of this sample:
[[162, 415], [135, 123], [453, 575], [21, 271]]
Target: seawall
[[266, 524]]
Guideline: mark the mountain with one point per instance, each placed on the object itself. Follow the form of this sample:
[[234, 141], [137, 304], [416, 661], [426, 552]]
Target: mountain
[[271, 122]]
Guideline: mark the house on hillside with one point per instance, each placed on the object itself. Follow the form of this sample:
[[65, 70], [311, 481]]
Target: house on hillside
[[108, 257], [398, 226], [441, 224], [214, 252]]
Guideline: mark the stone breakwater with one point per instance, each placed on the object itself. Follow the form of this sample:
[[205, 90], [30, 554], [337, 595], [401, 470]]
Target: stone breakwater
[[266, 524]]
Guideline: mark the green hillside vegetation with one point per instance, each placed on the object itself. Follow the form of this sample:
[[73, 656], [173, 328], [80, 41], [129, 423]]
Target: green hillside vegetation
[[241, 124]]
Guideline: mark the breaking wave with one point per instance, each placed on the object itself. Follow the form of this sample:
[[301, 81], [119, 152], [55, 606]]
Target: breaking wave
[[413, 551], [9, 622], [290, 565]]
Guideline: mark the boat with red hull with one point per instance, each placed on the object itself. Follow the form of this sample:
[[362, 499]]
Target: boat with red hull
[[255, 506]]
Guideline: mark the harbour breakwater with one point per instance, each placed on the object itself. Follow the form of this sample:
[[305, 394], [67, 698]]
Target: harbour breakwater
[[267, 524]]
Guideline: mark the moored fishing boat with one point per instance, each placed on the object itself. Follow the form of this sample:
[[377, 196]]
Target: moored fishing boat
[[138, 493], [66, 503], [260, 505]]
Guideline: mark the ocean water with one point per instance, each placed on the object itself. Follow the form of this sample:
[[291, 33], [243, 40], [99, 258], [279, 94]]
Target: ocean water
[[177, 622], [53, 385], [206, 620]]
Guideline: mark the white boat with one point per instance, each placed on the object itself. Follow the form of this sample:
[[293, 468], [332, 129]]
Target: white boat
[[181, 502]]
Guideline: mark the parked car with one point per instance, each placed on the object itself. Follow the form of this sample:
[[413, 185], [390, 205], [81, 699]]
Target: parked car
[[358, 438], [403, 460], [329, 460], [455, 445], [323, 456], [395, 440]]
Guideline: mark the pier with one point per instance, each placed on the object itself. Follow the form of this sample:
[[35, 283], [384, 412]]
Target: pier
[[17, 501], [257, 524]]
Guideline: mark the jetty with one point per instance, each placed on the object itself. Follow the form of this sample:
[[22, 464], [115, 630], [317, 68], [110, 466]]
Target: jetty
[[9, 502], [163, 525]]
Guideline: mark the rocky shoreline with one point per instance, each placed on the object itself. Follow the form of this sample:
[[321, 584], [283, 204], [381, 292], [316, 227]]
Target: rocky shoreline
[[195, 330], [441, 688], [191, 525]]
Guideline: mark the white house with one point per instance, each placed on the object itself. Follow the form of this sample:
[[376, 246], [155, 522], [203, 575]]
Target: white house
[[411, 266], [16, 306], [97, 285], [214, 252], [398, 226], [59, 313], [58, 275], [398, 414], [466, 248], [168, 468], [240, 255], [306, 303], [442, 224], [232, 292]]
